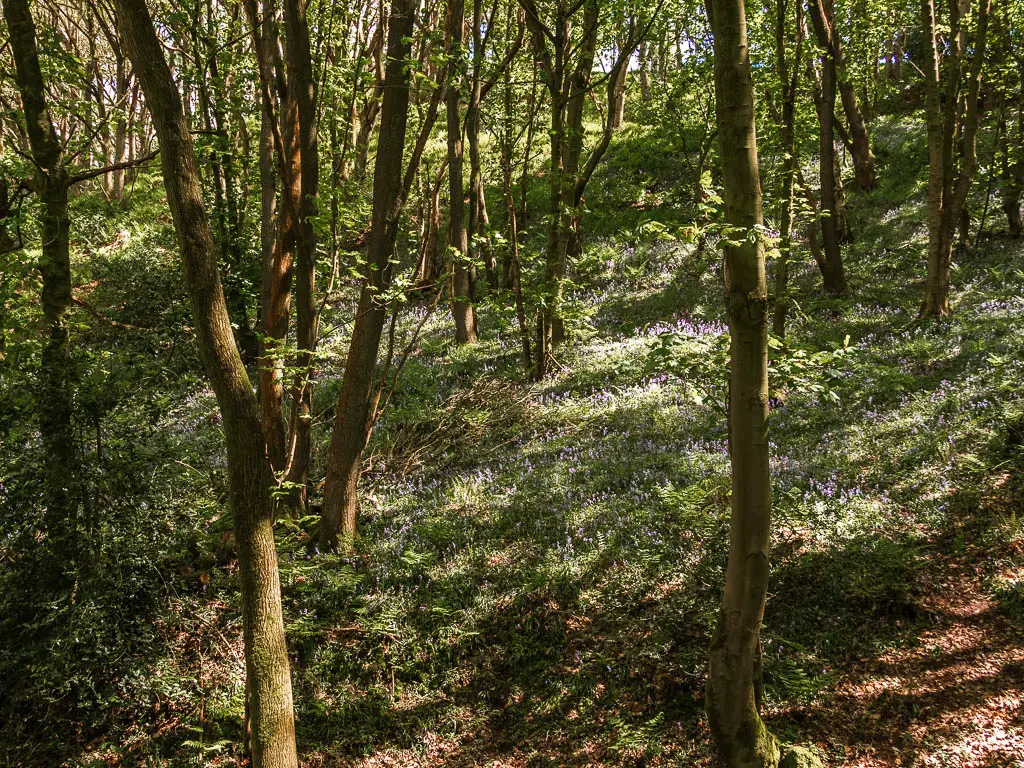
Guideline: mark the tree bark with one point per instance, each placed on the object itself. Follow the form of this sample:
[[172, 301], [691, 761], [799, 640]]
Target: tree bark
[[788, 81], [249, 473], [952, 163], [301, 87], [740, 735], [618, 115], [351, 420], [823, 19], [1012, 172], [834, 276], [458, 238], [279, 151], [51, 183]]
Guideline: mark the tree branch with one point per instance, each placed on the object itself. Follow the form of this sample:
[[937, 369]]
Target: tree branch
[[94, 172]]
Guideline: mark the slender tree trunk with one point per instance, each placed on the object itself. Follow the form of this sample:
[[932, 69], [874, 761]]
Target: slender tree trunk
[[618, 115], [1011, 206], [524, 176], [279, 156], [835, 280], [788, 80], [458, 239], [508, 145], [823, 19], [643, 74], [120, 128], [1012, 174], [863, 158], [842, 215], [740, 735], [54, 395], [511, 266], [222, 167], [556, 244], [479, 247], [367, 117], [352, 418], [249, 474], [301, 87], [568, 88], [429, 272], [516, 275], [952, 164], [940, 157]]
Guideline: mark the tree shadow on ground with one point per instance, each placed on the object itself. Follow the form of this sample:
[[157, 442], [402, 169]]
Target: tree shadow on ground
[[921, 663]]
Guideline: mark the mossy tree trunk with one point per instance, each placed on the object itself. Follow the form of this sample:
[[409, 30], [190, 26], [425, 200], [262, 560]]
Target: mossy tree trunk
[[740, 735], [51, 183], [249, 473]]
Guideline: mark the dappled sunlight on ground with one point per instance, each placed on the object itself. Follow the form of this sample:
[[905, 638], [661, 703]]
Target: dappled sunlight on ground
[[952, 696]]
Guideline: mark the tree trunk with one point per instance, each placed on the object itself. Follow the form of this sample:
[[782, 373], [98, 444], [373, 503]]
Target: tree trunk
[[458, 239], [367, 116], [301, 87], [842, 216], [863, 159], [834, 278], [352, 417], [249, 475], [55, 398], [936, 300], [1012, 174], [428, 273], [557, 243], [740, 735], [507, 147], [823, 20], [568, 89], [952, 164], [54, 395], [515, 270], [120, 129], [618, 115], [643, 75], [1011, 206], [278, 152], [479, 246], [211, 93], [788, 80]]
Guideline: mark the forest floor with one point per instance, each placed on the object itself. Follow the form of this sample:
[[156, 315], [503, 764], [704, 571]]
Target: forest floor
[[954, 695], [546, 584], [539, 566]]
